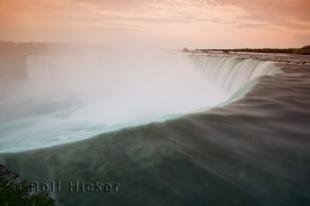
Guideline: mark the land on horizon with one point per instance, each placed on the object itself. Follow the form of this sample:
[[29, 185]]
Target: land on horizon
[[303, 50], [6, 46]]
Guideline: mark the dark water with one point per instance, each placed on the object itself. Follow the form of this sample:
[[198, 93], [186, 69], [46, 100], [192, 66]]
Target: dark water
[[255, 151]]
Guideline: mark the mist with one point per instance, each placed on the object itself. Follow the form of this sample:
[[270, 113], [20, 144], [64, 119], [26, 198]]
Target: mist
[[68, 96]]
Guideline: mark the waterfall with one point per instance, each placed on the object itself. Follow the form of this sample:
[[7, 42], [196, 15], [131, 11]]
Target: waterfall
[[231, 73], [227, 73], [77, 96]]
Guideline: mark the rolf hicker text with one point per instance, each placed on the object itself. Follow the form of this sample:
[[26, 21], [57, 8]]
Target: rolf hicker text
[[74, 186]]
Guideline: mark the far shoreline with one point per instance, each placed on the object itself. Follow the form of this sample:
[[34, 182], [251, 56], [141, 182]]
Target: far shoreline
[[304, 50]]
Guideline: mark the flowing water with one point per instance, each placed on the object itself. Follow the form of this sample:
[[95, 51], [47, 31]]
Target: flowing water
[[171, 129]]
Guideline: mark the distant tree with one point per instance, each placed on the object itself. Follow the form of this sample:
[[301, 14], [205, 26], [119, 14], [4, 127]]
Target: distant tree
[[16, 191], [185, 49], [305, 50]]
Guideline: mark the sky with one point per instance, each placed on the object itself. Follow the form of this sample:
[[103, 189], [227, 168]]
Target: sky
[[159, 23]]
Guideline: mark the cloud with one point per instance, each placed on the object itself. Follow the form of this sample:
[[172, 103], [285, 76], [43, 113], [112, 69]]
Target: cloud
[[200, 21], [286, 13], [251, 25]]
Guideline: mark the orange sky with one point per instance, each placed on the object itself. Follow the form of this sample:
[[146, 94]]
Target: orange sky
[[162, 23]]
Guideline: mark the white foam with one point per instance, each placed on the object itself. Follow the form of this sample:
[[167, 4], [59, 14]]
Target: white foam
[[104, 92]]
